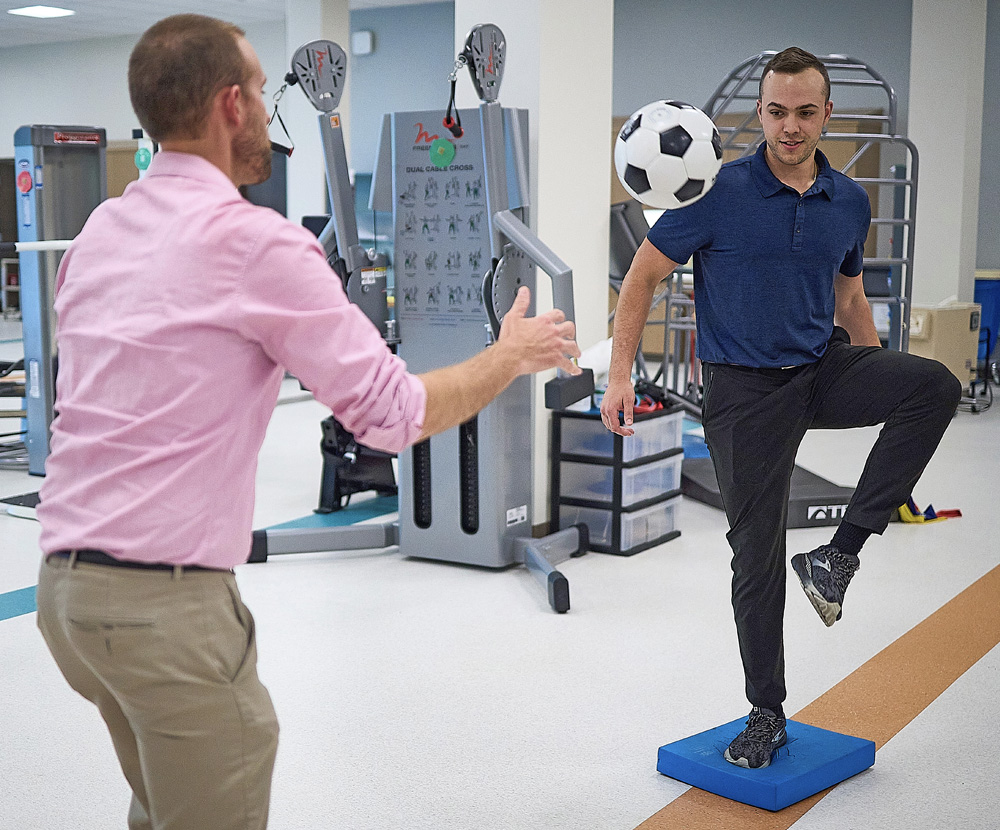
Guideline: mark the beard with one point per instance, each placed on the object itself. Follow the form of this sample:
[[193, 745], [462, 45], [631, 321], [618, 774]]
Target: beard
[[252, 155]]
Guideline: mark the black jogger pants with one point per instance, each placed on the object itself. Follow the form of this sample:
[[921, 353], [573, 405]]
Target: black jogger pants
[[754, 420]]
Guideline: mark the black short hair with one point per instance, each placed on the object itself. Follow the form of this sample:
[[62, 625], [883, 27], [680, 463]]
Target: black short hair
[[792, 61]]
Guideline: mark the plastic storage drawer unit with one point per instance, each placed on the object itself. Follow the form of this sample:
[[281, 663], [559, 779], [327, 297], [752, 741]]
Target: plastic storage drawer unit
[[625, 490]]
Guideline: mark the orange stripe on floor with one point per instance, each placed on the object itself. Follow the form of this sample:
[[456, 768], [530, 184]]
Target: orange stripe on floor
[[874, 702]]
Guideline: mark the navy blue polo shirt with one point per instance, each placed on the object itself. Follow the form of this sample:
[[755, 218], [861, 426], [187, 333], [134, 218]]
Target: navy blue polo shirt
[[765, 260]]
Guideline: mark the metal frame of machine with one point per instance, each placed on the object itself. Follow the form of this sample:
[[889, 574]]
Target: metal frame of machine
[[463, 495]]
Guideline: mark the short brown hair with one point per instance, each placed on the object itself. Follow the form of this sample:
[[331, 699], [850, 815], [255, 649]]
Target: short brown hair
[[792, 61], [177, 67]]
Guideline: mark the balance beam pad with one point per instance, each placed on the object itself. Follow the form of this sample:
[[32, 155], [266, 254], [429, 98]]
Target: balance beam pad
[[812, 760]]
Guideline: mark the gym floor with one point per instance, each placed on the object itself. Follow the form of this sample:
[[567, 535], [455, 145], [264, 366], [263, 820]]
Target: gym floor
[[415, 694]]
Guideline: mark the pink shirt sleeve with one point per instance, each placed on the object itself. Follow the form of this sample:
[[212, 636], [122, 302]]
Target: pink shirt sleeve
[[295, 307]]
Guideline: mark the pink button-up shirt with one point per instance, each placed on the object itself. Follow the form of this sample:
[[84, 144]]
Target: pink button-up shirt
[[180, 305]]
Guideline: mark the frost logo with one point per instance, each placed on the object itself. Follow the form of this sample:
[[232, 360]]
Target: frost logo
[[423, 137], [825, 512]]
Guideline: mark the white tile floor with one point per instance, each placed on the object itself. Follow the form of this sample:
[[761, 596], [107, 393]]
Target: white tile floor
[[421, 695]]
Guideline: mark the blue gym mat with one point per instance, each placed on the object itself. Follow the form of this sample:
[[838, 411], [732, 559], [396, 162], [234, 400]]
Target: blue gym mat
[[812, 760], [17, 603], [359, 511]]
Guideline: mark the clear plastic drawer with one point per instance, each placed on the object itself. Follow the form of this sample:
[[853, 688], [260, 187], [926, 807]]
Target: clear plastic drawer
[[595, 482], [589, 436], [637, 528]]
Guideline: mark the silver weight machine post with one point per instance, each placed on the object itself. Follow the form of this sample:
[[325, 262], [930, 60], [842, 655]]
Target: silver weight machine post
[[320, 68], [513, 244], [485, 54]]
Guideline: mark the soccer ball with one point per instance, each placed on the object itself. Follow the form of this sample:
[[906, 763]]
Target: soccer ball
[[668, 154]]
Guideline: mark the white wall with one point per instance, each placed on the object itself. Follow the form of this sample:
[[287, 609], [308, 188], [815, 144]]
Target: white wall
[[944, 260], [988, 240], [684, 48], [407, 70], [86, 82]]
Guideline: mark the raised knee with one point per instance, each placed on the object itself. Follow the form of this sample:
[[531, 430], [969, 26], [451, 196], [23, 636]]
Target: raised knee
[[943, 387], [951, 388]]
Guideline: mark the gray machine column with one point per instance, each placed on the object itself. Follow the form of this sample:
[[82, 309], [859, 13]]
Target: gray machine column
[[464, 495]]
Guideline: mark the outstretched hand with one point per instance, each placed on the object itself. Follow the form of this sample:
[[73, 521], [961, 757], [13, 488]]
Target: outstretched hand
[[538, 343]]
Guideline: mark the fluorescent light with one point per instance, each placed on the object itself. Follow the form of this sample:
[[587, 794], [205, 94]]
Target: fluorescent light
[[41, 11]]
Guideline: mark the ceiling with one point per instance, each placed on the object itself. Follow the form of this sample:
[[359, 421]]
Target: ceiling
[[108, 18]]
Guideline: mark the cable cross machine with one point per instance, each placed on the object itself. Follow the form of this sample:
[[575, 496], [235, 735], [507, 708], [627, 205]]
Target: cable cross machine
[[464, 495]]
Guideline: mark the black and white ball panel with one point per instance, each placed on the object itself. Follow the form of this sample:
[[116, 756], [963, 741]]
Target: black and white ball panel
[[668, 154]]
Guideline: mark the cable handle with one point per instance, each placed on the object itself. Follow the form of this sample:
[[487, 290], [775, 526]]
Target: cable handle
[[290, 80], [454, 124]]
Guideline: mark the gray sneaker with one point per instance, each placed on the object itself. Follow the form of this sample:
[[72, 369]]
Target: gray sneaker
[[753, 747], [825, 574]]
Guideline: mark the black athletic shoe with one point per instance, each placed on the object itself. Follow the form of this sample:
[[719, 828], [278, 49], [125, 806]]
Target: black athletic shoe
[[825, 574], [753, 747]]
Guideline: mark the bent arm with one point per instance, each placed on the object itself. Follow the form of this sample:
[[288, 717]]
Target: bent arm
[[853, 312], [648, 269], [304, 322]]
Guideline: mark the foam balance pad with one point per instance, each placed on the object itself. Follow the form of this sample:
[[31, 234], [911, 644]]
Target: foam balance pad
[[812, 760]]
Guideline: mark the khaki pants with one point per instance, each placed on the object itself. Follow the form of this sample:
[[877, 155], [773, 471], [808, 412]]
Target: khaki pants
[[170, 660]]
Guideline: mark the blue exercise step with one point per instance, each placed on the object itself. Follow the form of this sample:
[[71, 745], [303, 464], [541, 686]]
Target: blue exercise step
[[812, 760]]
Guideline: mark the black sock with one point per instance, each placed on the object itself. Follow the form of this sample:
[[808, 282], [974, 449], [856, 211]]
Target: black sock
[[850, 538]]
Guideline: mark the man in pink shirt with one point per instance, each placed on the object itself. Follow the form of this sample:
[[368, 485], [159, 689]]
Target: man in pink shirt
[[180, 306]]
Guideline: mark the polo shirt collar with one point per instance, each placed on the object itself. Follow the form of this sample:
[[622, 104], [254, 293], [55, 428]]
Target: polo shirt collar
[[768, 184]]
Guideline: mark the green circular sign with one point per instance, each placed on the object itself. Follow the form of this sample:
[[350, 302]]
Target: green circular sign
[[142, 158], [442, 152]]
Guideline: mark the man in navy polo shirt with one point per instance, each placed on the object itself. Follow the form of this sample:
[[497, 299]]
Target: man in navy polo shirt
[[787, 341]]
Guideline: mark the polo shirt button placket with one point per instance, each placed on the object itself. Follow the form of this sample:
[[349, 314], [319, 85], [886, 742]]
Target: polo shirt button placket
[[799, 220]]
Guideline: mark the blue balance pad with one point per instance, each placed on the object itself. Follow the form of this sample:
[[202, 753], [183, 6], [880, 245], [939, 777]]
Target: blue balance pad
[[812, 760]]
